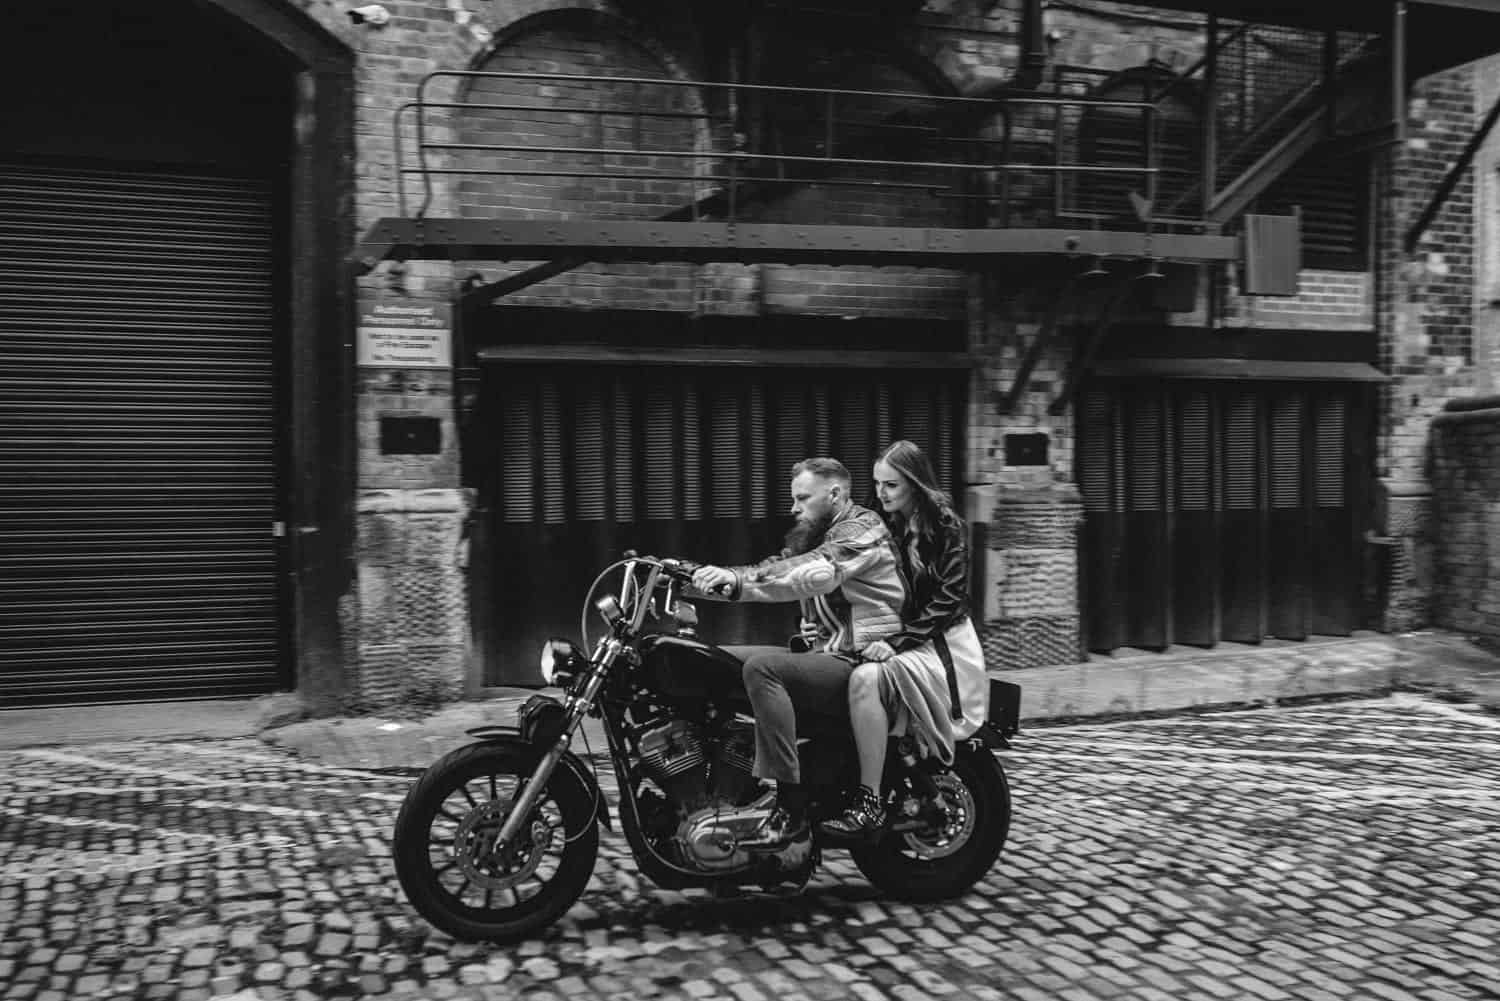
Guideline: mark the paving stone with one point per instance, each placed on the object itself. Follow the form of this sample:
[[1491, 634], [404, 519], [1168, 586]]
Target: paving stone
[[331, 944], [96, 983], [269, 973], [298, 936], [1170, 858]]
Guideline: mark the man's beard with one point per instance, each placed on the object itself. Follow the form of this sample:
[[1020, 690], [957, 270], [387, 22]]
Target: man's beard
[[807, 534]]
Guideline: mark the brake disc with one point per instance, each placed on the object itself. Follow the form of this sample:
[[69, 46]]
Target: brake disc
[[955, 804], [499, 867]]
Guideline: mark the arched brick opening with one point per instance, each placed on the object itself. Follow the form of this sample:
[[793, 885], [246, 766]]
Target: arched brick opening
[[562, 115], [178, 311]]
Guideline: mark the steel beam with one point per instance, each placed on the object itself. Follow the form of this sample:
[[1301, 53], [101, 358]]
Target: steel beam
[[552, 354], [702, 242], [1450, 180], [1062, 300], [1088, 346]]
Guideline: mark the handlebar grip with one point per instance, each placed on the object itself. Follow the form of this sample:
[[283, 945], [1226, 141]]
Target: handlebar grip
[[681, 570]]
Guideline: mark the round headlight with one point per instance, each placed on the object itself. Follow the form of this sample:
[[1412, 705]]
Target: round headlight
[[560, 662]]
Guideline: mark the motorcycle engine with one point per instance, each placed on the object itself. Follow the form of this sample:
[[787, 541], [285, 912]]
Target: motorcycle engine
[[672, 756], [705, 773]]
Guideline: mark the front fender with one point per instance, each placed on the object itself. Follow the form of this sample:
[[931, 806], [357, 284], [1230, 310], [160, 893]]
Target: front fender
[[511, 735]]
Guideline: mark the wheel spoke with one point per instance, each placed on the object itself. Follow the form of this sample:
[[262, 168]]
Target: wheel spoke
[[468, 795], [494, 788]]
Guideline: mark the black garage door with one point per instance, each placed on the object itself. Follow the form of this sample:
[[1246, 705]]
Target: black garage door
[[582, 462], [1222, 511], [137, 436]]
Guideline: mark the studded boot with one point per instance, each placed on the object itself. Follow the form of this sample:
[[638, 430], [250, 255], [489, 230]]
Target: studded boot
[[863, 818]]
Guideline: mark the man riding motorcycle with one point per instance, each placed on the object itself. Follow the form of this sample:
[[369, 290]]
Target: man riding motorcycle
[[841, 564]]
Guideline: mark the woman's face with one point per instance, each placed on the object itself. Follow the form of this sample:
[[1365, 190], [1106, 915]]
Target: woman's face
[[893, 490]]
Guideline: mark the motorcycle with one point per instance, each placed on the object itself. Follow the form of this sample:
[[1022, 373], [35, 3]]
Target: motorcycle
[[497, 839]]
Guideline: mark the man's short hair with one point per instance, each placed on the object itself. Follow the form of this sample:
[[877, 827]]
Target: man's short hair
[[828, 469]]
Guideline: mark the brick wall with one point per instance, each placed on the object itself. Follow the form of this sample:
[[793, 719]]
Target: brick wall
[[1325, 300], [1425, 307], [570, 44], [1465, 477], [1031, 592]]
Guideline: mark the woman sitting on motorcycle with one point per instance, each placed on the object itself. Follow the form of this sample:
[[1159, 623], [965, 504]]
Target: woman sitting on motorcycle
[[928, 680]]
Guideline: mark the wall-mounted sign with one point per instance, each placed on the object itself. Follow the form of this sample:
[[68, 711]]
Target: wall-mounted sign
[[406, 334]]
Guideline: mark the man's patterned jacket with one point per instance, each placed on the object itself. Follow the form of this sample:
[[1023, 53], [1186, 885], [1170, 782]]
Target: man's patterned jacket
[[850, 584]]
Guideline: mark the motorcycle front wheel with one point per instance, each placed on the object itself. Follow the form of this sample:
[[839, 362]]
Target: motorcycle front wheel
[[454, 874], [947, 856]]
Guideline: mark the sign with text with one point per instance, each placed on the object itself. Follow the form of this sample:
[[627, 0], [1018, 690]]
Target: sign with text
[[406, 335]]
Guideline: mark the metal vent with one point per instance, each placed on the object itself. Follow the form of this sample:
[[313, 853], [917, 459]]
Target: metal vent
[[1273, 254]]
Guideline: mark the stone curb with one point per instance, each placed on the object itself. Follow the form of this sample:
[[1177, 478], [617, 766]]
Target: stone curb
[[1438, 662], [1442, 663]]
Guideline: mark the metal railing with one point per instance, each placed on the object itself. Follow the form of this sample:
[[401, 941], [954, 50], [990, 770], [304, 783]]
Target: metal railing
[[748, 142]]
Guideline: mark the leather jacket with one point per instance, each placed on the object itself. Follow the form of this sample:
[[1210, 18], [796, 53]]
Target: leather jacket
[[850, 584], [938, 593]]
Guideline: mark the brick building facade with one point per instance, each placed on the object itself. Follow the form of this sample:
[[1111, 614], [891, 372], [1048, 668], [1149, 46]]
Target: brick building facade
[[1135, 438]]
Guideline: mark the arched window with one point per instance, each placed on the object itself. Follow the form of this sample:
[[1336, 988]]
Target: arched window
[[527, 117]]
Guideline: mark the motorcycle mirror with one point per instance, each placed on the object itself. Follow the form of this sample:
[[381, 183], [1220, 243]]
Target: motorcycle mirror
[[609, 609]]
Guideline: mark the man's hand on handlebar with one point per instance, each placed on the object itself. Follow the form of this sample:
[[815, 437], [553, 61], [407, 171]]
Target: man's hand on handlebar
[[713, 580]]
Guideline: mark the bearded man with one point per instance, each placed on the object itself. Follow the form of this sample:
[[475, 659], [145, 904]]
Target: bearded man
[[842, 566]]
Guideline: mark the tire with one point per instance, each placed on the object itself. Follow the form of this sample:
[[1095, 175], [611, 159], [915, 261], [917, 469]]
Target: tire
[[922, 866], [464, 794]]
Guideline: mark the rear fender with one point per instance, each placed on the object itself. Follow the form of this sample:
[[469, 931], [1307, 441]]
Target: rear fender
[[512, 735]]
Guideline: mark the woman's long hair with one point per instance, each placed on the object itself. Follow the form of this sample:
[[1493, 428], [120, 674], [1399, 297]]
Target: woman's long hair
[[933, 505]]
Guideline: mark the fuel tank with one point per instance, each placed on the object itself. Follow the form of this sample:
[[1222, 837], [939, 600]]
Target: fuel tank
[[683, 669]]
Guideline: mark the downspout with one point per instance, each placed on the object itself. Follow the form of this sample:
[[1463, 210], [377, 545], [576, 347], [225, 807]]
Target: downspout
[[1033, 65]]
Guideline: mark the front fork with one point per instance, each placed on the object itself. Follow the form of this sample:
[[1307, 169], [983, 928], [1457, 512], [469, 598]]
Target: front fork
[[576, 706]]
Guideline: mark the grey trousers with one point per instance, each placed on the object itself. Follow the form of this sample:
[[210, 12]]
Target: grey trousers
[[780, 684]]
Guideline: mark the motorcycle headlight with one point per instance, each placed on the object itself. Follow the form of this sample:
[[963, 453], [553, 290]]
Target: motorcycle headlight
[[561, 662]]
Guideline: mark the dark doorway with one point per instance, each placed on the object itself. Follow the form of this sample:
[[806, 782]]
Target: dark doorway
[[1222, 511], [579, 463], [144, 315]]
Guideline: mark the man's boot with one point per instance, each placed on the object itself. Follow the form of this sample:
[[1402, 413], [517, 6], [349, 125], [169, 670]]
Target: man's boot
[[786, 825]]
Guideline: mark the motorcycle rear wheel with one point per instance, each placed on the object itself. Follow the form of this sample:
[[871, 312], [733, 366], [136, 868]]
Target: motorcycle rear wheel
[[454, 810], [946, 862]]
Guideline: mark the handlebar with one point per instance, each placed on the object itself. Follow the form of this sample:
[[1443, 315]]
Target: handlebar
[[677, 570]]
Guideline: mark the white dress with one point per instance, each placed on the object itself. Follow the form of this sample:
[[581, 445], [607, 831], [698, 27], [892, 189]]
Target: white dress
[[914, 688]]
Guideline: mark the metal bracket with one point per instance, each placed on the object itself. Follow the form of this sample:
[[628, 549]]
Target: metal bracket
[[1450, 180], [1083, 353], [1039, 344]]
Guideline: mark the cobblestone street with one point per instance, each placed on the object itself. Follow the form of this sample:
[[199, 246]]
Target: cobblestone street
[[1341, 850]]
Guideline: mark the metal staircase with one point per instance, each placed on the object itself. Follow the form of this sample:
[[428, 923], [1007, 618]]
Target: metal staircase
[[1280, 93]]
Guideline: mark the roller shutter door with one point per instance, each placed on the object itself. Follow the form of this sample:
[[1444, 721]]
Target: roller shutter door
[[137, 436], [1221, 511], [580, 463]]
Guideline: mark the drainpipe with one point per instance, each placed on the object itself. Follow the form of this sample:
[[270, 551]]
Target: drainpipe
[[1033, 61], [1028, 75]]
